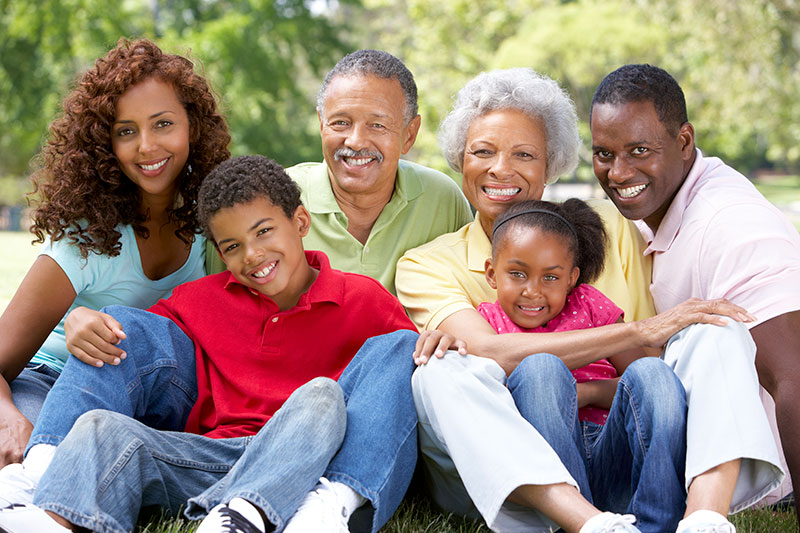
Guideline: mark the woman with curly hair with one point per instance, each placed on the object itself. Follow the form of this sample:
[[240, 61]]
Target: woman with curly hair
[[117, 185]]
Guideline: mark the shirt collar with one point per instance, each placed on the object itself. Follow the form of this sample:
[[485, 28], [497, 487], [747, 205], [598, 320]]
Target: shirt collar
[[408, 185], [328, 287], [479, 247], [668, 228]]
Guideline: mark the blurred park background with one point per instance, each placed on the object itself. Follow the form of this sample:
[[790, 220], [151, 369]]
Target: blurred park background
[[738, 62]]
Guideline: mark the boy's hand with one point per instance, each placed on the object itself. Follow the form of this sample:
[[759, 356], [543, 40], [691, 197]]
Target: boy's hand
[[92, 337], [436, 343]]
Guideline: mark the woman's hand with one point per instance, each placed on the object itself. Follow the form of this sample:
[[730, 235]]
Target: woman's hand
[[656, 331], [435, 343], [92, 337], [15, 430]]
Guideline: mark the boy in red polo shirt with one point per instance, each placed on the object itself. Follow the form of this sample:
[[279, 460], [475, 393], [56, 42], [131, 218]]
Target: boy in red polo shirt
[[223, 358]]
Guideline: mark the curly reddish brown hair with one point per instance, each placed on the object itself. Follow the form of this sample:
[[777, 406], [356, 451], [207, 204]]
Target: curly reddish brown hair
[[83, 195]]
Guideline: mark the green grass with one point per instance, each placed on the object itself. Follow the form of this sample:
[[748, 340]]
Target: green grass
[[416, 515], [18, 255]]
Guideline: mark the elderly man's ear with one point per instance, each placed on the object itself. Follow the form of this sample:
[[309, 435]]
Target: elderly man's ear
[[411, 130]]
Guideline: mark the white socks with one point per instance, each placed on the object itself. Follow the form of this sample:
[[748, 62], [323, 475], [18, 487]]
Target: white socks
[[350, 499], [704, 518], [38, 459]]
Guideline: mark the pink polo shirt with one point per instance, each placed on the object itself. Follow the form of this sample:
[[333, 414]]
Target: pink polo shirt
[[721, 238]]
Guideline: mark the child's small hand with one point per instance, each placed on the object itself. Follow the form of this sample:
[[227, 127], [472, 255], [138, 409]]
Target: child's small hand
[[436, 343], [92, 337]]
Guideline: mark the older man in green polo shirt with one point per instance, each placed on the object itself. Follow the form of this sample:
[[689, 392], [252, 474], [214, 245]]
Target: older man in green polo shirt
[[367, 206]]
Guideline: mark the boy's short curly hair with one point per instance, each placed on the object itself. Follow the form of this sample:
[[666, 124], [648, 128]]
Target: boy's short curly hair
[[242, 179]]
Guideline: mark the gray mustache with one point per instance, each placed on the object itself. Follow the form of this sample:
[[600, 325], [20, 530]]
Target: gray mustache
[[347, 152]]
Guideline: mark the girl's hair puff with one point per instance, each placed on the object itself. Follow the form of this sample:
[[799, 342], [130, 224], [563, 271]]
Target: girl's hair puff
[[578, 224], [83, 193]]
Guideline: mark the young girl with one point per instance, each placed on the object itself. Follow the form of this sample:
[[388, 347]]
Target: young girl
[[541, 264], [625, 445], [117, 184]]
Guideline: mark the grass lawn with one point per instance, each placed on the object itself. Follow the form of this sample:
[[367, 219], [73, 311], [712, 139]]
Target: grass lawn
[[416, 515], [18, 255]]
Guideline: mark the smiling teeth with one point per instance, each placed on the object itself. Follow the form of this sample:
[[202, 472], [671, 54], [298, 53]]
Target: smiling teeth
[[358, 162], [264, 272], [630, 192], [527, 308], [510, 191], [156, 166]]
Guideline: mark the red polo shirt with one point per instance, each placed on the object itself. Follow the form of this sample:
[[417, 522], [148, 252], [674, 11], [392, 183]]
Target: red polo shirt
[[251, 356]]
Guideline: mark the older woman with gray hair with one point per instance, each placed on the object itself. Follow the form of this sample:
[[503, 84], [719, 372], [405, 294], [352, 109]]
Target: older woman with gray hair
[[510, 133]]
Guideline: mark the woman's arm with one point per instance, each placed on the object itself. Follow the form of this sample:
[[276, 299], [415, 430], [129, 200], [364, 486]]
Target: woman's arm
[[581, 347], [41, 300]]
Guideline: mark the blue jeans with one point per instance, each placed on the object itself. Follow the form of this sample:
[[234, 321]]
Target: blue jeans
[[156, 384], [118, 465], [29, 389], [635, 462], [379, 452]]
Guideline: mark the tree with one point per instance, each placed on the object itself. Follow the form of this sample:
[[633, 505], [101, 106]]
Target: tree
[[264, 57]]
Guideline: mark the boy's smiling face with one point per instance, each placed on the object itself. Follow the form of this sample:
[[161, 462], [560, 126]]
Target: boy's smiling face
[[263, 248]]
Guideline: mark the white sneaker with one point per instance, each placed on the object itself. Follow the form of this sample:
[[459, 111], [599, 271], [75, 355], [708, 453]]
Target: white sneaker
[[236, 516], [17, 484], [705, 521], [25, 518], [610, 523], [320, 510]]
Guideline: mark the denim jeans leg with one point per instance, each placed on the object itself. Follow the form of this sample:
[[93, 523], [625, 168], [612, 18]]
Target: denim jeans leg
[[155, 384], [636, 463], [110, 466], [379, 451], [30, 388], [544, 391], [121, 465], [284, 461]]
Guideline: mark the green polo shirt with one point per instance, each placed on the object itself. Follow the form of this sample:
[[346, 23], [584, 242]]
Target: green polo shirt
[[424, 205]]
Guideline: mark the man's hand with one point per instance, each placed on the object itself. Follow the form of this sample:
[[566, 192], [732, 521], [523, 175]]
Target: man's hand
[[657, 330], [92, 337], [436, 343]]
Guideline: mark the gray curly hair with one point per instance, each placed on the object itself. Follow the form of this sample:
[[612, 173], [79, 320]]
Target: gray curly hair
[[534, 94]]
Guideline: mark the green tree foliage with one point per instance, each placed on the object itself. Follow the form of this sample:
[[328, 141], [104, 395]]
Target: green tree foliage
[[738, 62], [264, 57], [444, 43]]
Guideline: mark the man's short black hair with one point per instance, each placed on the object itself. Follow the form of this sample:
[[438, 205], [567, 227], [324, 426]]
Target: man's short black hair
[[242, 179], [644, 83]]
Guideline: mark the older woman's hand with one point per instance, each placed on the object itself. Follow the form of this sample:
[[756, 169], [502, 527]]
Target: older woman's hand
[[436, 343]]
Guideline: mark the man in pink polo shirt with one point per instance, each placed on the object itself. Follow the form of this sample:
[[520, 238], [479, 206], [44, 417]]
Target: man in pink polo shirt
[[712, 235]]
